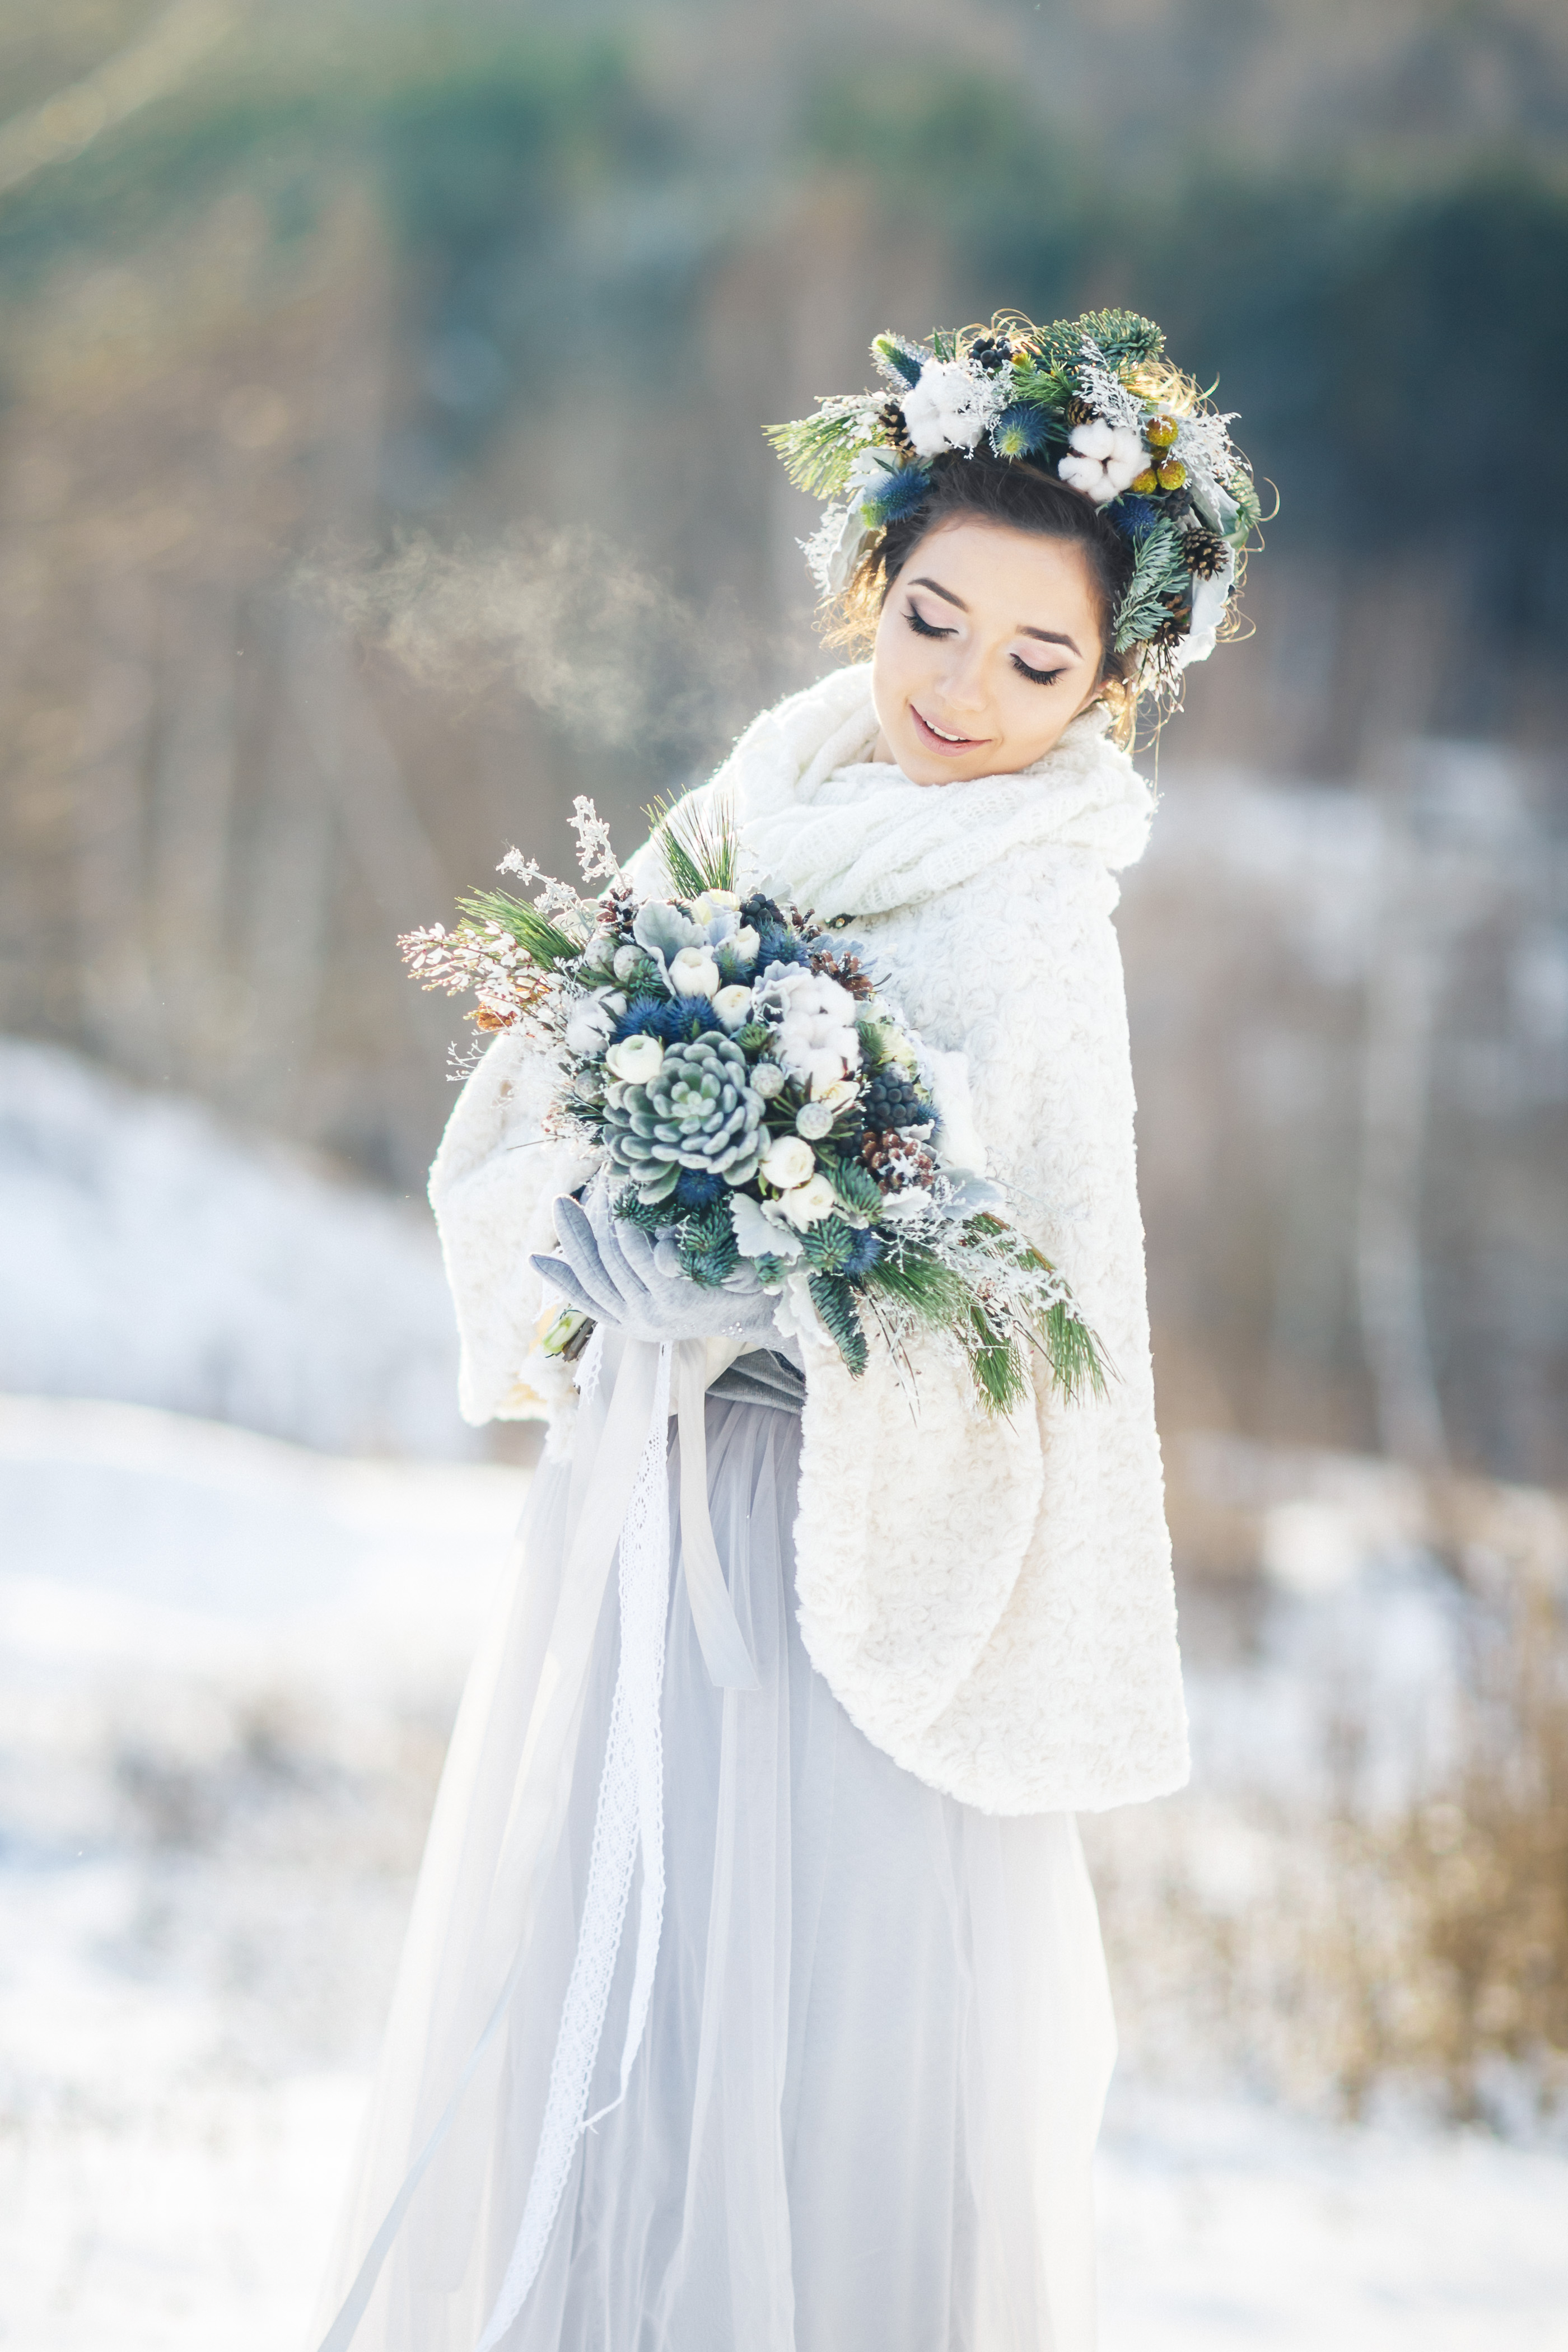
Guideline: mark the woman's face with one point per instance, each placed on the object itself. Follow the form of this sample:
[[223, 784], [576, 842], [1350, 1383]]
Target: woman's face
[[987, 648]]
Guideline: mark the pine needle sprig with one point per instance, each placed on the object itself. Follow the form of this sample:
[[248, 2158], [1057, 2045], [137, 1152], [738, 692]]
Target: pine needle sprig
[[698, 843], [543, 941]]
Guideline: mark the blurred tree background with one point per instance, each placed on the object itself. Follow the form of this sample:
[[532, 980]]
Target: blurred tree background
[[381, 385]]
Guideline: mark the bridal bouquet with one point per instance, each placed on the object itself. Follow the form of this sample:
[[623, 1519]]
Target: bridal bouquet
[[760, 1105]]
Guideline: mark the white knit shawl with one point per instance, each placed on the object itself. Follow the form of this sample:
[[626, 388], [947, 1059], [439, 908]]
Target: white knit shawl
[[990, 1601]]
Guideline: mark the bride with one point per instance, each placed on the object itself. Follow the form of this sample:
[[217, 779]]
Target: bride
[[840, 2094]]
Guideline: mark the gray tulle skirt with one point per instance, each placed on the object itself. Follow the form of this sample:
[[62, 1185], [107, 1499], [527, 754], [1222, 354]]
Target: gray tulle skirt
[[862, 2116]]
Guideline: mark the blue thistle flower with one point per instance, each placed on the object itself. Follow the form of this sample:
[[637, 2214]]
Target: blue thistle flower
[[900, 496], [865, 1252], [1134, 515], [1020, 430], [676, 1020], [778, 946], [696, 1189]]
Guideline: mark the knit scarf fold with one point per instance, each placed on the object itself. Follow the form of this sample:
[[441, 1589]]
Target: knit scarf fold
[[853, 836]]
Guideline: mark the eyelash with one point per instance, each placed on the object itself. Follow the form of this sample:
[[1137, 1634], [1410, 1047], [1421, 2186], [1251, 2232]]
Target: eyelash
[[923, 628]]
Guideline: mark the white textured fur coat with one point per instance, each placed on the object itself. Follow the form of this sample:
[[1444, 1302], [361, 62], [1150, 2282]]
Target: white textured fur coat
[[990, 1601]]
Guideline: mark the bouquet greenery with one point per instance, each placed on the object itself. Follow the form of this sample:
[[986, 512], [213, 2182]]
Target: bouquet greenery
[[763, 1110]]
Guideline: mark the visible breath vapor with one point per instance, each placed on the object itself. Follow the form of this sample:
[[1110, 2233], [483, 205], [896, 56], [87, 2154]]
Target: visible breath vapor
[[601, 647]]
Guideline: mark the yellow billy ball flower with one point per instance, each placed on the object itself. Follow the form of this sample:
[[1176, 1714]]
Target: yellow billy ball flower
[[1160, 432], [1173, 473], [1147, 482]]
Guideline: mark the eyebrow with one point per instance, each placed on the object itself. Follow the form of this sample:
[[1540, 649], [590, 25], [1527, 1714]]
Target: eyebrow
[[1047, 636]]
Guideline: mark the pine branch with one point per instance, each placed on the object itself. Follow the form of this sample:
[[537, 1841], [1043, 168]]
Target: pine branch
[[835, 1302], [1158, 572], [1127, 339], [818, 451]]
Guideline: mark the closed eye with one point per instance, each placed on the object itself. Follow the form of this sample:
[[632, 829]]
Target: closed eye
[[1039, 676], [921, 626]]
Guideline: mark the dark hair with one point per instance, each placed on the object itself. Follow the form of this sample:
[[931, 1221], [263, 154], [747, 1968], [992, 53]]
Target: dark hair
[[1022, 497]]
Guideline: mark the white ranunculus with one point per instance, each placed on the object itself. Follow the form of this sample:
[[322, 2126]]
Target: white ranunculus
[[788, 1161], [768, 1080], [634, 1059], [951, 406], [588, 1025], [732, 1006], [807, 1204], [745, 944], [693, 973]]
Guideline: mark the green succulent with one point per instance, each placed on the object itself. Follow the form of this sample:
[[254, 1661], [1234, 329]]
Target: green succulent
[[698, 1110]]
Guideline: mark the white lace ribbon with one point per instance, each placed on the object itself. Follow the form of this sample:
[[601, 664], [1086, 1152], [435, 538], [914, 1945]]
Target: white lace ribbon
[[628, 1504]]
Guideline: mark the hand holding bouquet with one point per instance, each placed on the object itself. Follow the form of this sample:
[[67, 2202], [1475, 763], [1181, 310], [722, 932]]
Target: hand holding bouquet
[[759, 1107]]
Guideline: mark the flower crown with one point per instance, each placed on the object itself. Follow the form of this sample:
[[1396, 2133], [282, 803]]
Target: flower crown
[[1092, 399]]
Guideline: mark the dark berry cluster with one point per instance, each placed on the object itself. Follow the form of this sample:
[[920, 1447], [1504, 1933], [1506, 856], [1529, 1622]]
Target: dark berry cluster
[[888, 1100]]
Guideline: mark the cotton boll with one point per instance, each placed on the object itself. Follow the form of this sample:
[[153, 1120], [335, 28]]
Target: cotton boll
[[1085, 474], [1094, 440], [1125, 444], [588, 1025]]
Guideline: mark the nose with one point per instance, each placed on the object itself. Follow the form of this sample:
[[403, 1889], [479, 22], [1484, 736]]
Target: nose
[[963, 685]]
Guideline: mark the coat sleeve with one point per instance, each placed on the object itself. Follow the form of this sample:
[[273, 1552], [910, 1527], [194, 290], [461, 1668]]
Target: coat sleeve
[[493, 1186]]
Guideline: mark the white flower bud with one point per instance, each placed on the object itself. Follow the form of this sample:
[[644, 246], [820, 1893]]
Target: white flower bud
[[627, 958], [768, 1079], [813, 1120], [745, 944], [693, 973], [788, 1161], [732, 1006], [634, 1059]]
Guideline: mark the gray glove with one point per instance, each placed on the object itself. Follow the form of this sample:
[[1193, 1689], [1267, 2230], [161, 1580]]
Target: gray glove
[[609, 1269]]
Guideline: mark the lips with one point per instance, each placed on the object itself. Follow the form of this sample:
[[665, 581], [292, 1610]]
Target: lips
[[953, 746]]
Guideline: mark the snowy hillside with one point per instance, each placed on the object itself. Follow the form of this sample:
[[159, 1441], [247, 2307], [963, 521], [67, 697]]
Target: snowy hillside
[[148, 1254]]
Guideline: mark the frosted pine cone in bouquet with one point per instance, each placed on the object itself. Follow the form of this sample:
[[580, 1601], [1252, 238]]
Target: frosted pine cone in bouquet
[[765, 1112]]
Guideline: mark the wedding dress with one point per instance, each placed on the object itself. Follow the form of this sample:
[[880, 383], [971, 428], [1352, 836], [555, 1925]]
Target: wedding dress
[[853, 2107]]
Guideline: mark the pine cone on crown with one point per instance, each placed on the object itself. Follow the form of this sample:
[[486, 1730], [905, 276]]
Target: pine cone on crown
[[1204, 553], [890, 417]]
